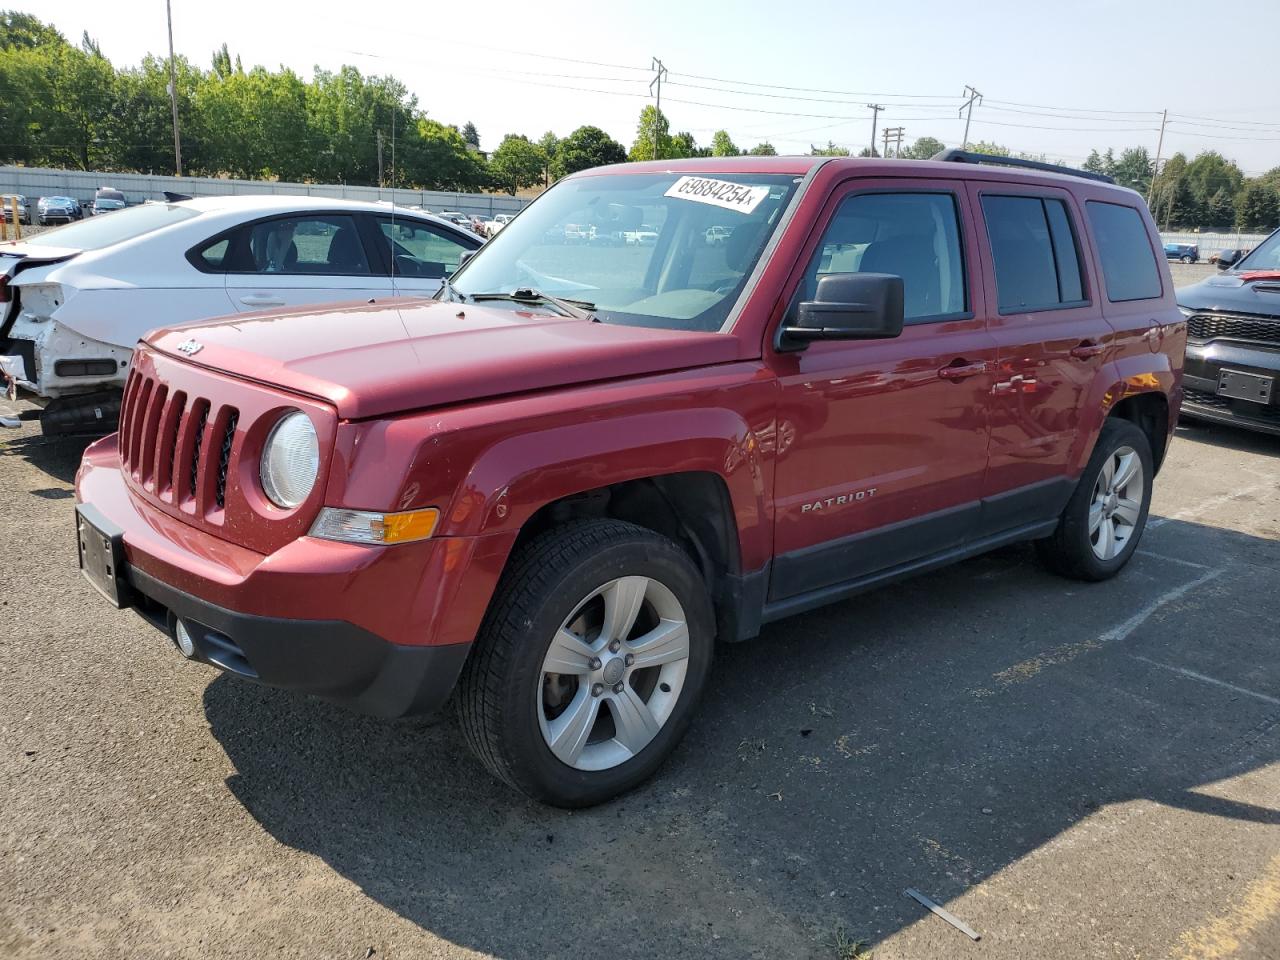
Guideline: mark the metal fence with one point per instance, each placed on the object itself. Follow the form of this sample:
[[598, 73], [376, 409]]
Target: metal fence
[[1210, 243], [33, 182]]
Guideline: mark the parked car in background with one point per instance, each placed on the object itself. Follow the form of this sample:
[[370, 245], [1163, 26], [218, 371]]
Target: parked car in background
[[1233, 341], [1184, 252], [461, 220], [1225, 258], [642, 236], [75, 299], [6, 202], [51, 210], [554, 487], [108, 200], [717, 235], [497, 223]]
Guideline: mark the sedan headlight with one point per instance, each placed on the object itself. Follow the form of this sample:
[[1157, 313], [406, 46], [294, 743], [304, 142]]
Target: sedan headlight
[[290, 461]]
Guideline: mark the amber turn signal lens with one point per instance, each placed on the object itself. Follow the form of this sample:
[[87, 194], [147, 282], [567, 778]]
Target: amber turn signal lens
[[368, 526]]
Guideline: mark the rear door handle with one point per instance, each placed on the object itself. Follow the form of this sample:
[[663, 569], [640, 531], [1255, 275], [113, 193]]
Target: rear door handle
[[961, 370], [262, 300], [1087, 350]]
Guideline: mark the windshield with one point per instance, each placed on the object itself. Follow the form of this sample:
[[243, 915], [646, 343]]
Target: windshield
[[1265, 257], [642, 249], [99, 232]]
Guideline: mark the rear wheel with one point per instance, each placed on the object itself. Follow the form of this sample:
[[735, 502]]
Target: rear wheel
[[590, 662], [1186, 259], [1104, 519]]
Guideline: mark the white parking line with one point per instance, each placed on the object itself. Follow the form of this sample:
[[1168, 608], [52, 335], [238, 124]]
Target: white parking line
[[1275, 701], [1168, 559], [1138, 619]]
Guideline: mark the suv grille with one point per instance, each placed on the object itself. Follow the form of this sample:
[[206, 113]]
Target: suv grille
[[1213, 326], [163, 445]]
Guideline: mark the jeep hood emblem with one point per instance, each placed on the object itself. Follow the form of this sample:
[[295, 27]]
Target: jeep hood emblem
[[190, 347]]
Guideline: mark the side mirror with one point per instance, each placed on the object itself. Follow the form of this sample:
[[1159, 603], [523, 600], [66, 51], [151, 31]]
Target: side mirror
[[463, 258], [1227, 258], [848, 306]]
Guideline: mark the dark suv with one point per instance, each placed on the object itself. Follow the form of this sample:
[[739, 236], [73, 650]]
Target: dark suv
[[550, 490], [1233, 346]]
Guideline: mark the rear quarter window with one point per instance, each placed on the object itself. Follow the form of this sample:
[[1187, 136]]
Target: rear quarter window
[[1128, 263]]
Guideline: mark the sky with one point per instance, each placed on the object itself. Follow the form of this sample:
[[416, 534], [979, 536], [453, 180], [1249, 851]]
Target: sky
[[1056, 78]]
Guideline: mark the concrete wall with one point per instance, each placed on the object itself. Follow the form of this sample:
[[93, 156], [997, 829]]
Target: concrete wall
[[34, 182]]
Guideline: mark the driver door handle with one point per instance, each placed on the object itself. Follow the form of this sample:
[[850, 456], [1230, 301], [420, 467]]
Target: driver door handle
[[959, 370], [1087, 350], [262, 300]]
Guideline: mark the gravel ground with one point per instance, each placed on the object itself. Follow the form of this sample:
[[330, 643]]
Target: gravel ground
[[1074, 770]]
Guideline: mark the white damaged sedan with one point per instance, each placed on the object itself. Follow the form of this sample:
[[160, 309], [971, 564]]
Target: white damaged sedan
[[74, 300]]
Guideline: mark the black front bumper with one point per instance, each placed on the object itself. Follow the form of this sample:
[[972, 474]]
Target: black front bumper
[[330, 659], [1205, 363]]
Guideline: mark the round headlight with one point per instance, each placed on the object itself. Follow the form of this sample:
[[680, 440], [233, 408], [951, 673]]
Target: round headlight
[[290, 461]]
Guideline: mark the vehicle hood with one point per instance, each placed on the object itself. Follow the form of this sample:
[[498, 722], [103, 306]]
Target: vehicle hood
[[1255, 292], [371, 360]]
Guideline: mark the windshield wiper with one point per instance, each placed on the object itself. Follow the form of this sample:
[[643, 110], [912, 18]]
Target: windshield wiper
[[570, 308]]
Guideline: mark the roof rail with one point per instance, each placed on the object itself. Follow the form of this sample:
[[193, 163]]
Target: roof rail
[[956, 155]]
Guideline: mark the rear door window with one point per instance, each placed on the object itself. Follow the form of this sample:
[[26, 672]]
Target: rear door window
[[1128, 265], [1034, 251], [329, 244]]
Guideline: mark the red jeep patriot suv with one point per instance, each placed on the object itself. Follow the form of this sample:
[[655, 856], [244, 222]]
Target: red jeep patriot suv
[[548, 490]]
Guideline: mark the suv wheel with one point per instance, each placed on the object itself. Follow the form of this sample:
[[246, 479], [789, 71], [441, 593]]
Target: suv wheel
[[1104, 518], [1186, 259], [589, 664]]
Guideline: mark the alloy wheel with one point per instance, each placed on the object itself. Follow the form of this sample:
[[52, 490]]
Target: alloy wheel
[[613, 673], [1116, 505]]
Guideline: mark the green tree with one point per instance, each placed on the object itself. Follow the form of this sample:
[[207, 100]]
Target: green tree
[[517, 163], [986, 146], [1209, 172], [830, 150], [470, 134], [439, 159], [924, 148], [1132, 170], [24, 31], [1258, 208], [586, 147], [763, 149], [682, 145], [549, 143], [722, 145], [653, 136], [1220, 211]]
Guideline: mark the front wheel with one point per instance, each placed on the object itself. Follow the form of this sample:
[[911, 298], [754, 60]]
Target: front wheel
[[1186, 259], [1104, 519], [589, 665]]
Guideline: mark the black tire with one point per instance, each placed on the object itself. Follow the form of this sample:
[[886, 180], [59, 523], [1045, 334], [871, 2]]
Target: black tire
[[1068, 551], [499, 692], [1186, 259]]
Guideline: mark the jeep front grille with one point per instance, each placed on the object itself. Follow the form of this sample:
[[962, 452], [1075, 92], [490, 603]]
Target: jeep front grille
[[164, 443], [1212, 326]]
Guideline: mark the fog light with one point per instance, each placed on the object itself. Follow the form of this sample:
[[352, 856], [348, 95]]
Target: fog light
[[185, 643]]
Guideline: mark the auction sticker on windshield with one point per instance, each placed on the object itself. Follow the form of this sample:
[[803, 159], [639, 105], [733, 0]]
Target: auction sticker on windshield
[[718, 193]]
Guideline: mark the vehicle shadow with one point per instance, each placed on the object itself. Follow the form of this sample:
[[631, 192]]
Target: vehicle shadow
[[59, 457], [1228, 437], [927, 735]]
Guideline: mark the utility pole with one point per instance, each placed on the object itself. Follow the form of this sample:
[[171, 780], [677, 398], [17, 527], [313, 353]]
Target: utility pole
[[894, 134], [875, 109], [967, 112], [173, 94], [656, 84], [379, 159], [1155, 169]]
